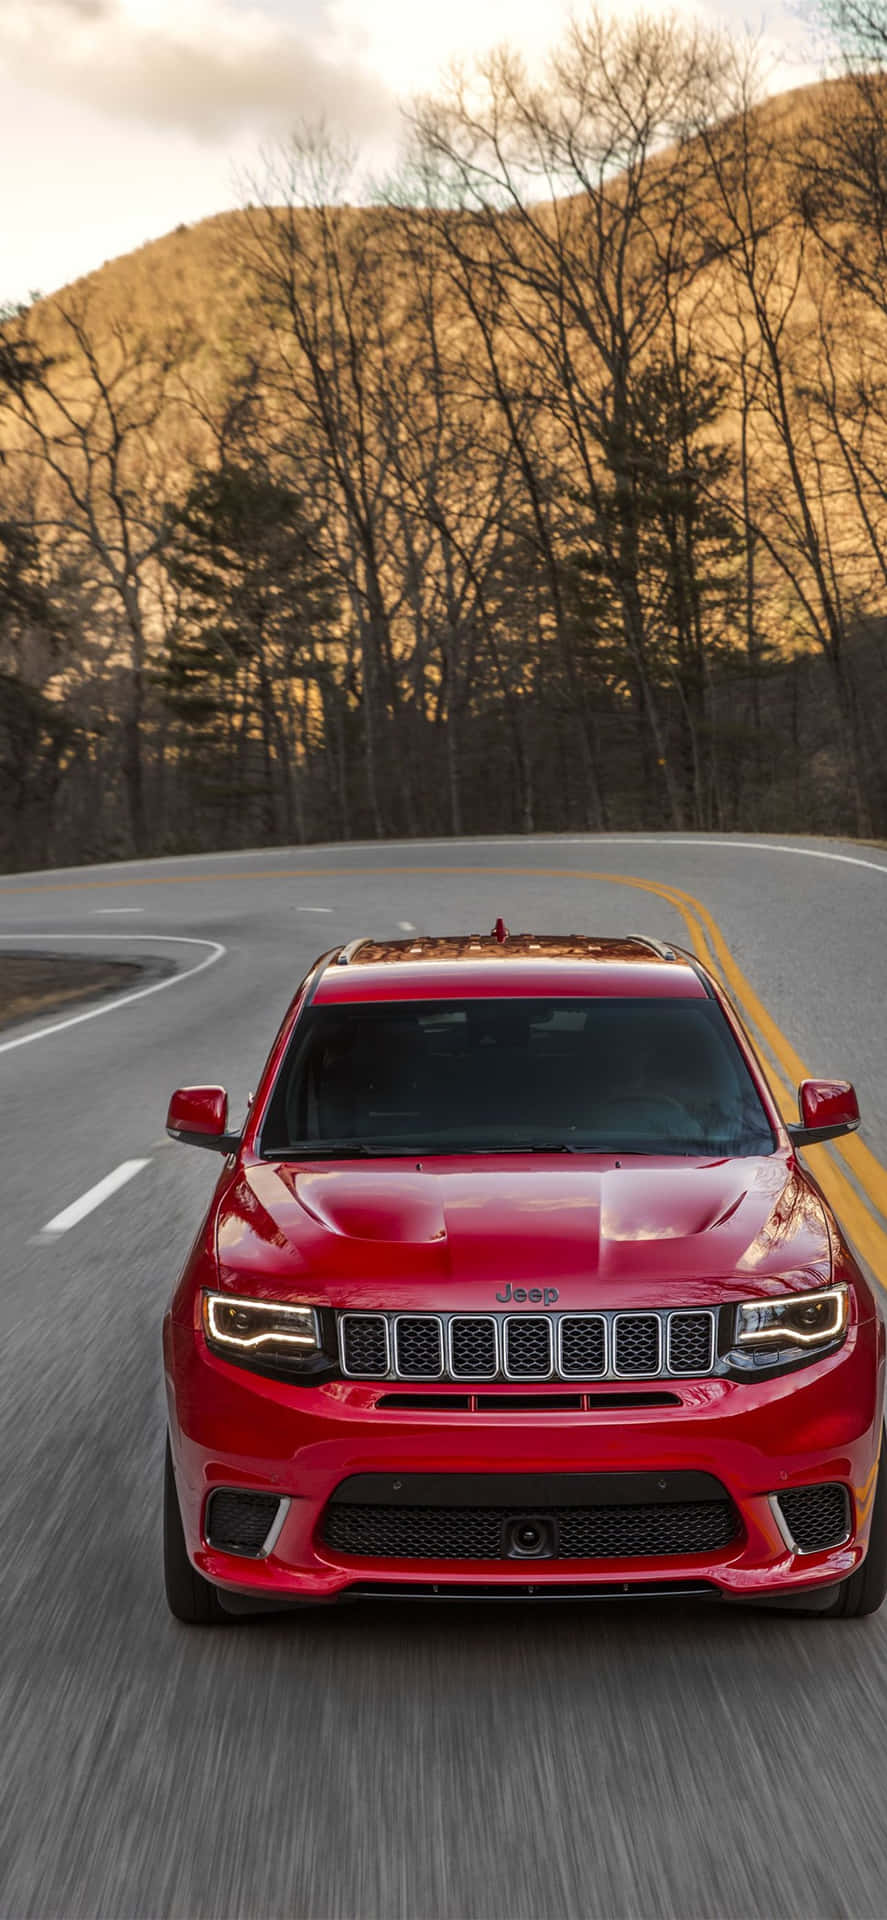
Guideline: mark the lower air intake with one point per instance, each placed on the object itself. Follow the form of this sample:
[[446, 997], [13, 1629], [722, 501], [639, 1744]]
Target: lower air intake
[[567, 1533], [239, 1522], [816, 1517]]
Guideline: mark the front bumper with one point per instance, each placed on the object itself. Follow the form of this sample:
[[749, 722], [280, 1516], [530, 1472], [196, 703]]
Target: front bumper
[[234, 1429]]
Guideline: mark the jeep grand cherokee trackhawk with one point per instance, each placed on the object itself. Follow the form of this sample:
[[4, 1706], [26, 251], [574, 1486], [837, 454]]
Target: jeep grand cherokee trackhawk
[[514, 1284]]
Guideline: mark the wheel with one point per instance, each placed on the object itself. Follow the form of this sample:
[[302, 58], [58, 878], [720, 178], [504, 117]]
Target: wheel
[[867, 1587], [189, 1597]]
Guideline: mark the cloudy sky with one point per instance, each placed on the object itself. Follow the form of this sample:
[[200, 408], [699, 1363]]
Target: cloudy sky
[[120, 118]]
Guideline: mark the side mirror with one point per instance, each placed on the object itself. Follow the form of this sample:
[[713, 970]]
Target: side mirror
[[198, 1116], [828, 1109]]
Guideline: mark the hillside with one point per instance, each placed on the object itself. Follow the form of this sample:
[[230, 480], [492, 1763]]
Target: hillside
[[332, 509], [193, 277]]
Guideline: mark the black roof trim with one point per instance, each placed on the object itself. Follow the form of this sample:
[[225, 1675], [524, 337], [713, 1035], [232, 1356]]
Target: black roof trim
[[664, 950], [320, 967], [701, 975], [348, 952]]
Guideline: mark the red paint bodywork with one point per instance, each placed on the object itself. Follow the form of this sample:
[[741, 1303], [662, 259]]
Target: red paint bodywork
[[382, 1234], [202, 1110], [828, 1103]]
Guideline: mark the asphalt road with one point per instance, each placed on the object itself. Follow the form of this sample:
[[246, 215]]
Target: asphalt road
[[499, 1761]]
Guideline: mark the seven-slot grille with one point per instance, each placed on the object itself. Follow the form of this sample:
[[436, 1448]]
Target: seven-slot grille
[[527, 1346]]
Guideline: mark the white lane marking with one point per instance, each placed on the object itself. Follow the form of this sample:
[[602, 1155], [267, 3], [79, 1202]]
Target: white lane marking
[[342, 847], [217, 952], [89, 1201], [314, 909], [406, 926], [102, 912], [702, 841]]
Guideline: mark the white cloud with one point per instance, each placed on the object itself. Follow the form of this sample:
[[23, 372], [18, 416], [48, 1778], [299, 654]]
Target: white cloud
[[409, 44], [120, 118], [206, 66]]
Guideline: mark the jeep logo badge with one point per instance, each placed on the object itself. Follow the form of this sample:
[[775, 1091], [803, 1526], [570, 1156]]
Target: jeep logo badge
[[537, 1296]]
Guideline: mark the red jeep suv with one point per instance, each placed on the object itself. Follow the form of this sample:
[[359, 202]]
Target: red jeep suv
[[514, 1284]]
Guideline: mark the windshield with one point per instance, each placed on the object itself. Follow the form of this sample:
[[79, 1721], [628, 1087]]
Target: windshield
[[498, 1076]]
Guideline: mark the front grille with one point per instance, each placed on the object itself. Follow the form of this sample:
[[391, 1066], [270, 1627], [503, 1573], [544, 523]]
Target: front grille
[[816, 1517], [473, 1348], [583, 1346], [240, 1522], [575, 1533], [575, 1347], [418, 1346], [365, 1344], [528, 1346], [690, 1342], [637, 1343]]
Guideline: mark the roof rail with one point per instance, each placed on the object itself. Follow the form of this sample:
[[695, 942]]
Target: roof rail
[[659, 946], [347, 954], [317, 972]]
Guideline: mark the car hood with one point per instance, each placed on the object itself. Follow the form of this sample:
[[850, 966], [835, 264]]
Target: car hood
[[461, 1233]]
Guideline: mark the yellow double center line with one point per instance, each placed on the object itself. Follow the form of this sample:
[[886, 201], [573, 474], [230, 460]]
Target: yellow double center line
[[858, 1215]]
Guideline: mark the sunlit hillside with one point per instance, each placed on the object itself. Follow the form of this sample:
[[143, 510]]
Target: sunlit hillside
[[321, 511]]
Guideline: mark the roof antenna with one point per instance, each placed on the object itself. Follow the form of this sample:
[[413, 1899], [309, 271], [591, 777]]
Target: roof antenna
[[500, 931]]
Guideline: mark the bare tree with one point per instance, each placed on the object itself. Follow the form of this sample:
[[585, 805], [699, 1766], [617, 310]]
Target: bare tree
[[765, 249], [88, 424], [580, 217]]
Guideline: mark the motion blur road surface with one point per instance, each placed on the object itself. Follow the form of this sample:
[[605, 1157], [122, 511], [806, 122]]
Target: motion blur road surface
[[624, 1759]]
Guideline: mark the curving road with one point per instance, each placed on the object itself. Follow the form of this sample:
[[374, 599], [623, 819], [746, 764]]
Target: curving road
[[503, 1761]]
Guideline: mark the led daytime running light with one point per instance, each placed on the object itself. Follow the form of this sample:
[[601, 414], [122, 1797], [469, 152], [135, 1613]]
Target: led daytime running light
[[785, 1334], [304, 1338]]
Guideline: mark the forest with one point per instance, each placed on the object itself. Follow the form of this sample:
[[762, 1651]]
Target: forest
[[540, 487]]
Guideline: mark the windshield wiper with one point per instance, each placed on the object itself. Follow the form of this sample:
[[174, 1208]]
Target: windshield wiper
[[364, 1150], [526, 1146], [337, 1150]]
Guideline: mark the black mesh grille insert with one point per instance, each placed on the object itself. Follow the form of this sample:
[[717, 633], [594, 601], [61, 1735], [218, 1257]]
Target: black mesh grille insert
[[578, 1533], [619, 1533], [419, 1350], [473, 1348], [690, 1337], [478, 1347], [364, 1343], [239, 1522], [816, 1517], [583, 1348], [636, 1343], [528, 1346]]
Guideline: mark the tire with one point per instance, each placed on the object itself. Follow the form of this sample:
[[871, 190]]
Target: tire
[[190, 1598], [867, 1587]]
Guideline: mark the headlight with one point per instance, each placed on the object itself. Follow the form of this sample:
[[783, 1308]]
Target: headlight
[[262, 1331], [797, 1320]]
